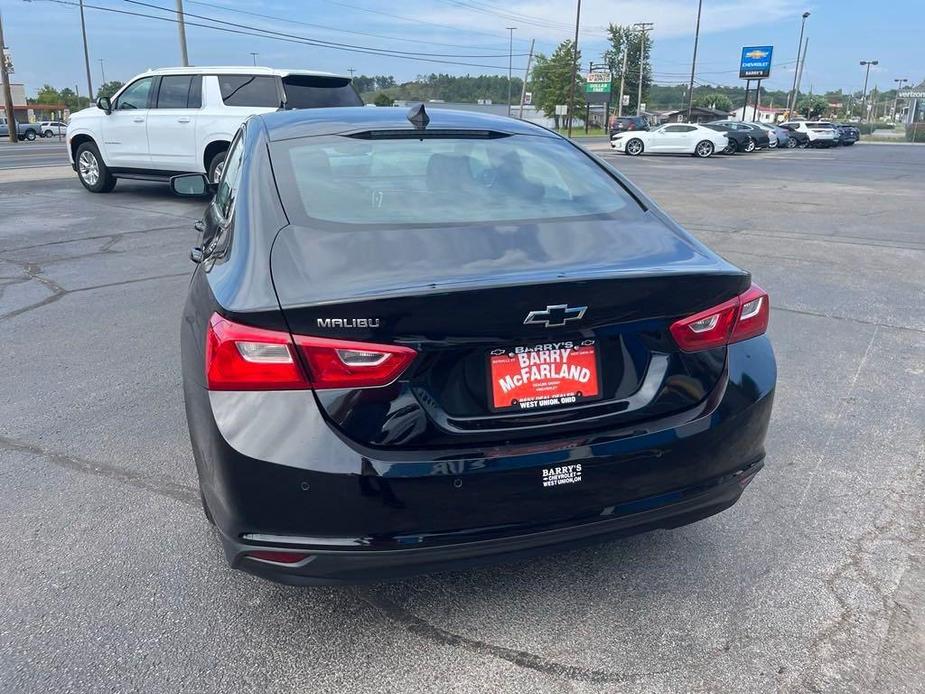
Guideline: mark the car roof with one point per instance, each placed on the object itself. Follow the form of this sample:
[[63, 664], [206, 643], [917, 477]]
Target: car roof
[[286, 125], [238, 70]]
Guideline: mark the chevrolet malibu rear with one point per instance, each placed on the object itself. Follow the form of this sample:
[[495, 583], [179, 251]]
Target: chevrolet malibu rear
[[417, 342]]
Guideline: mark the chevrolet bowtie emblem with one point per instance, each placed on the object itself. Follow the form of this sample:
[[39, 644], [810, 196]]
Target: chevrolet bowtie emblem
[[555, 316]]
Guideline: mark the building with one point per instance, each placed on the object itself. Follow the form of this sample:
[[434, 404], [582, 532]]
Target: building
[[912, 110], [699, 114], [764, 114], [30, 113]]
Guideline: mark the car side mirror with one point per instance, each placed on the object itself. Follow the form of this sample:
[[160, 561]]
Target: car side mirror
[[194, 185], [105, 104]]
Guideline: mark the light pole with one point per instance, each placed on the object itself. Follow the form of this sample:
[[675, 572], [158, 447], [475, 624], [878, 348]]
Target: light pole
[[83, 31], [102, 71], [571, 91], [899, 85], [7, 94], [792, 100], [181, 34], [643, 27], [690, 89], [867, 64], [254, 55], [510, 66]]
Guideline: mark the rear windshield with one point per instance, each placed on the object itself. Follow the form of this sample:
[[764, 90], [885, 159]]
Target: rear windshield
[[309, 91], [442, 180], [819, 125]]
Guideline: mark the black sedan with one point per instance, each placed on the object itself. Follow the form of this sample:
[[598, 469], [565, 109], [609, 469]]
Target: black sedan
[[738, 141], [414, 342], [796, 137]]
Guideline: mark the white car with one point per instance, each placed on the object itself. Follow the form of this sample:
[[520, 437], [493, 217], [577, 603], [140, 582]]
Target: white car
[[52, 128], [181, 120], [672, 138], [820, 133]]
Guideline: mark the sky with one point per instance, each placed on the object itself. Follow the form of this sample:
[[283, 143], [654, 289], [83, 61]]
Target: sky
[[465, 37]]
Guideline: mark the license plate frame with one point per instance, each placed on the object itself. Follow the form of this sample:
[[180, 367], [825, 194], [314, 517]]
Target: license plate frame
[[546, 393]]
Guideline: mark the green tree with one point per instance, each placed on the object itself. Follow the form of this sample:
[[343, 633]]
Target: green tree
[[108, 89], [626, 39], [48, 95], [721, 102], [812, 106], [383, 99], [552, 79], [73, 102]]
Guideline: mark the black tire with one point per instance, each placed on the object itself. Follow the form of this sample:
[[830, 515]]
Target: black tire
[[48, 133], [749, 145], [848, 144], [205, 508], [217, 165], [30, 135], [731, 148], [805, 144], [634, 147], [792, 143], [88, 157], [704, 149]]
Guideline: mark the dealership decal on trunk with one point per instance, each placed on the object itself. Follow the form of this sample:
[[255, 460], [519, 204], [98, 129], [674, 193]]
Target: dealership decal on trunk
[[564, 474], [545, 375]]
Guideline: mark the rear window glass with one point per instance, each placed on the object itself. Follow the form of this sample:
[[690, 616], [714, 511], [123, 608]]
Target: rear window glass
[[309, 91], [249, 90], [445, 180], [819, 125], [179, 91]]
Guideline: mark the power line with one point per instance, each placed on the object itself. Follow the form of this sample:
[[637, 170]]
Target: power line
[[259, 33]]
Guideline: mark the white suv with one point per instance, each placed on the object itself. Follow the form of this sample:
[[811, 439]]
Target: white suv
[[181, 120], [820, 133]]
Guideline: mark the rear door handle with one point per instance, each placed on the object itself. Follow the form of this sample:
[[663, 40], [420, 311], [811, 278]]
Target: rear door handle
[[139, 120], [184, 119]]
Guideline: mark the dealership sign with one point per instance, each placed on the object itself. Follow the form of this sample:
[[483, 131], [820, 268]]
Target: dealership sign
[[598, 82], [756, 62]]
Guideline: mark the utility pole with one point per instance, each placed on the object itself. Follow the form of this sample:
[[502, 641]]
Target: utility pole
[[523, 92], [622, 80], [254, 55], [7, 94], [83, 31], [351, 70], [510, 66], [643, 28], [181, 32], [800, 73], [102, 71], [690, 96], [866, 112], [792, 99], [571, 91]]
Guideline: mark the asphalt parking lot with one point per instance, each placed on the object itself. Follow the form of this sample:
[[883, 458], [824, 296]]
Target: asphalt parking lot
[[113, 581]]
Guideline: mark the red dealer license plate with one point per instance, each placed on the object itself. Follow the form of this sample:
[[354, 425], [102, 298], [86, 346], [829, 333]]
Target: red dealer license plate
[[536, 377]]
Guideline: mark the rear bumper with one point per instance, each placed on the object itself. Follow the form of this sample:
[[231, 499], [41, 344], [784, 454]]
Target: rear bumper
[[331, 567]]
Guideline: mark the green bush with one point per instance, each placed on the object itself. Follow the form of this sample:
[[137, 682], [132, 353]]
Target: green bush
[[868, 128], [915, 132]]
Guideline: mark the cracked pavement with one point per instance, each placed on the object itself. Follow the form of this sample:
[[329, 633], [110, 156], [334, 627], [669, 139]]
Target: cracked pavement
[[814, 581]]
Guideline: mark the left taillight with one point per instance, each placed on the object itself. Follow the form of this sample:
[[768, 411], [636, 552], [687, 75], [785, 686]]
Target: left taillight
[[738, 319], [241, 357]]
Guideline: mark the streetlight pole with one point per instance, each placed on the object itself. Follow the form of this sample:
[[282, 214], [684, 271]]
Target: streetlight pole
[[83, 31], [867, 64], [181, 33], [510, 66], [792, 99], [690, 90], [643, 28], [254, 55], [571, 91], [102, 70], [899, 85]]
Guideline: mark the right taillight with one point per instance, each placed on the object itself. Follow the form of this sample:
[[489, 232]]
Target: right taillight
[[738, 319], [241, 357]]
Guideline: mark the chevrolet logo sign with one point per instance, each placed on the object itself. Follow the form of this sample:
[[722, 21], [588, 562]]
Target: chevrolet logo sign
[[756, 54], [555, 316]]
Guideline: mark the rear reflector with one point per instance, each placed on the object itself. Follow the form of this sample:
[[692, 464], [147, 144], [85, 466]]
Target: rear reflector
[[738, 319], [280, 557], [240, 357]]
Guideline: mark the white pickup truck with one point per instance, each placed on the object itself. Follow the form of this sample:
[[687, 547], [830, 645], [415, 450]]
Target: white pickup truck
[[181, 120]]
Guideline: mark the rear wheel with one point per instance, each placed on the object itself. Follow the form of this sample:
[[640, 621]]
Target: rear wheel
[[731, 147], [749, 145], [792, 143], [216, 166], [634, 147], [48, 133], [703, 149], [92, 172]]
